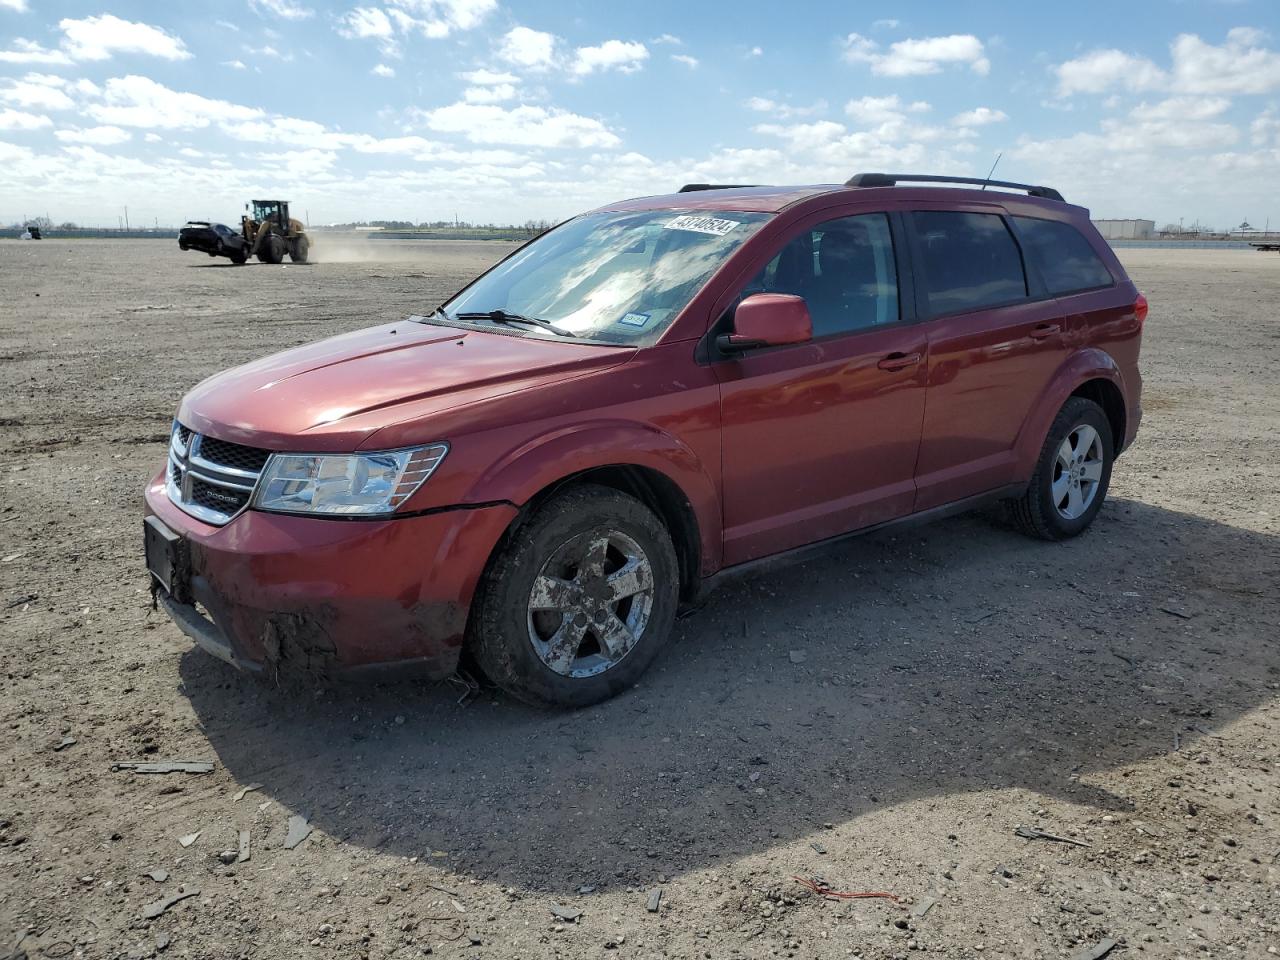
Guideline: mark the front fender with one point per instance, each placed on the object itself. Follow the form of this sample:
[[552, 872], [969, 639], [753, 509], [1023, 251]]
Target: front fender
[[1088, 363], [549, 457]]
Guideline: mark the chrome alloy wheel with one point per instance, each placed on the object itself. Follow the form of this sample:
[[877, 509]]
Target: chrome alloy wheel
[[590, 603], [1077, 471]]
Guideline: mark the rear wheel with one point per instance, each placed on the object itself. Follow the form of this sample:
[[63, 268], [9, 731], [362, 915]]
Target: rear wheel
[[271, 249], [298, 249], [578, 604], [1072, 475]]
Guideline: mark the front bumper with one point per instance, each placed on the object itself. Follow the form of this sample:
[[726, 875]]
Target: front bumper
[[310, 596]]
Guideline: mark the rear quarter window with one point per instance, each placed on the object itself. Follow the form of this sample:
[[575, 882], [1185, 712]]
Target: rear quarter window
[[1064, 256], [970, 261]]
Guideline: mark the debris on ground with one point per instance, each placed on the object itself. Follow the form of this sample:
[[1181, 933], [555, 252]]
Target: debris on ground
[[823, 889], [20, 601], [1097, 952], [158, 875], [163, 766], [227, 857], [1035, 833], [245, 789], [242, 855], [154, 909], [63, 744], [567, 914], [188, 839], [299, 830], [818, 848], [655, 900], [924, 905], [798, 656]]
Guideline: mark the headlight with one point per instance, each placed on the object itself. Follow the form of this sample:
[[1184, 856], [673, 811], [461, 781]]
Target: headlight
[[360, 483]]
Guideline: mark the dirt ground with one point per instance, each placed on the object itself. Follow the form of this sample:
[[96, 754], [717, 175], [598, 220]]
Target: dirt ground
[[884, 718]]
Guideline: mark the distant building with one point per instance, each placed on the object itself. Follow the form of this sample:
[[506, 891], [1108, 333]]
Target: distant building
[[1126, 229]]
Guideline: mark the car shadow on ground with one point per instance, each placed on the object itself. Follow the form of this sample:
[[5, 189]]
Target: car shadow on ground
[[926, 663]]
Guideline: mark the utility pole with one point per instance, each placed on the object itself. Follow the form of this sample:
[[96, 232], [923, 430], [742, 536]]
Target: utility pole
[[126, 218]]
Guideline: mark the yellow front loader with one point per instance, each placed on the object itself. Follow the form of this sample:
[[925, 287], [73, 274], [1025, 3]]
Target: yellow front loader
[[271, 233]]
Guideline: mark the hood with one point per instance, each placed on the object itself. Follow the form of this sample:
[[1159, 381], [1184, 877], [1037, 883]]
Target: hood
[[331, 395]]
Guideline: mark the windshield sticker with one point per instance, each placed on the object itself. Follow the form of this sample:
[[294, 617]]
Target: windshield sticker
[[635, 319], [712, 225]]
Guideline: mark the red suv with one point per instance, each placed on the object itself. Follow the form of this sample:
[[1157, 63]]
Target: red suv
[[639, 401]]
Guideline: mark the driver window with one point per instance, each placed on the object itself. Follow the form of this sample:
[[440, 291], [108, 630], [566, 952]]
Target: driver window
[[845, 271]]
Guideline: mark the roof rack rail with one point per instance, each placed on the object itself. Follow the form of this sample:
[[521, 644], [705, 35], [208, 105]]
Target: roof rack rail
[[694, 187], [889, 179]]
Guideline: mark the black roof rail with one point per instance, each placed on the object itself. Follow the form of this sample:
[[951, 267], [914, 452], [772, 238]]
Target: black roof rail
[[694, 187], [889, 179]]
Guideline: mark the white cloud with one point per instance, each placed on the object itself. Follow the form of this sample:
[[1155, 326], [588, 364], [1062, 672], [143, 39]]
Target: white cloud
[[756, 52], [234, 64], [625, 56], [153, 138], [382, 70], [918, 57], [17, 6], [1265, 129], [885, 24], [1241, 65], [979, 117], [783, 111], [285, 9], [135, 101], [40, 90], [28, 51], [368, 23], [1103, 69], [670, 38], [688, 61], [493, 93], [486, 78], [528, 48], [98, 38], [873, 111], [21, 120], [99, 136], [524, 125]]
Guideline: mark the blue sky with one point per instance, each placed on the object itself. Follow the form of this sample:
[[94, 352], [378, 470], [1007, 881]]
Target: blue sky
[[499, 110]]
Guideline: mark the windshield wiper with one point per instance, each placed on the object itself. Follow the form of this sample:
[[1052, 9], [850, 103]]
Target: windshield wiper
[[502, 316]]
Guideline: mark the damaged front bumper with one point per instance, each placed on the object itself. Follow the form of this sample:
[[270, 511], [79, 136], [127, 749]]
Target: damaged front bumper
[[293, 595]]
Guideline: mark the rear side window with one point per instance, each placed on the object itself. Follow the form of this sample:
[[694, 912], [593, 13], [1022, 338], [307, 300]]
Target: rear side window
[[970, 261], [1066, 259]]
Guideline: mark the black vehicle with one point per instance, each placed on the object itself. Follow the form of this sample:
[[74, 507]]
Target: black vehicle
[[34, 231], [215, 239]]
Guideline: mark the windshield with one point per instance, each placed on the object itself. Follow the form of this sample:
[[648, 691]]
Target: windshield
[[616, 277]]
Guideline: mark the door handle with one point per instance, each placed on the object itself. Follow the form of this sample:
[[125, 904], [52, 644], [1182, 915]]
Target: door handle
[[899, 361], [1044, 331]]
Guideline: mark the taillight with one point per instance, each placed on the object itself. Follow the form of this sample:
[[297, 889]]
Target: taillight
[[1140, 309]]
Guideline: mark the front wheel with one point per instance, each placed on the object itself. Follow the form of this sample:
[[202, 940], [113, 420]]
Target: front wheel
[[271, 249], [579, 602], [1072, 475], [298, 248]]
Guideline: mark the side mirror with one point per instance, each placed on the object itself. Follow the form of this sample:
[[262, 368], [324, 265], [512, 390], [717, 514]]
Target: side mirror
[[768, 320]]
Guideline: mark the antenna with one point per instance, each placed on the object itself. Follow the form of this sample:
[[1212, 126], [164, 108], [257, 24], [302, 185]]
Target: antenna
[[993, 169]]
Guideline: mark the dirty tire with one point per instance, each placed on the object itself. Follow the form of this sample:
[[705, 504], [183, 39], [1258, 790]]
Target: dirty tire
[[298, 250], [1035, 512], [271, 249], [499, 629]]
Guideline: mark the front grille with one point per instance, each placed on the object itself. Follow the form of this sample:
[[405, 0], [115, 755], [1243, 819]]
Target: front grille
[[212, 479], [226, 454]]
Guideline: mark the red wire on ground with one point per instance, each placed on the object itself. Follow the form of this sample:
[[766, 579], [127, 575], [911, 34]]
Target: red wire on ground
[[825, 891]]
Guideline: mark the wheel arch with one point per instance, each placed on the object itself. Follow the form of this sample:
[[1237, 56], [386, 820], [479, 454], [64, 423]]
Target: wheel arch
[[1107, 395], [636, 459], [1091, 373]]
